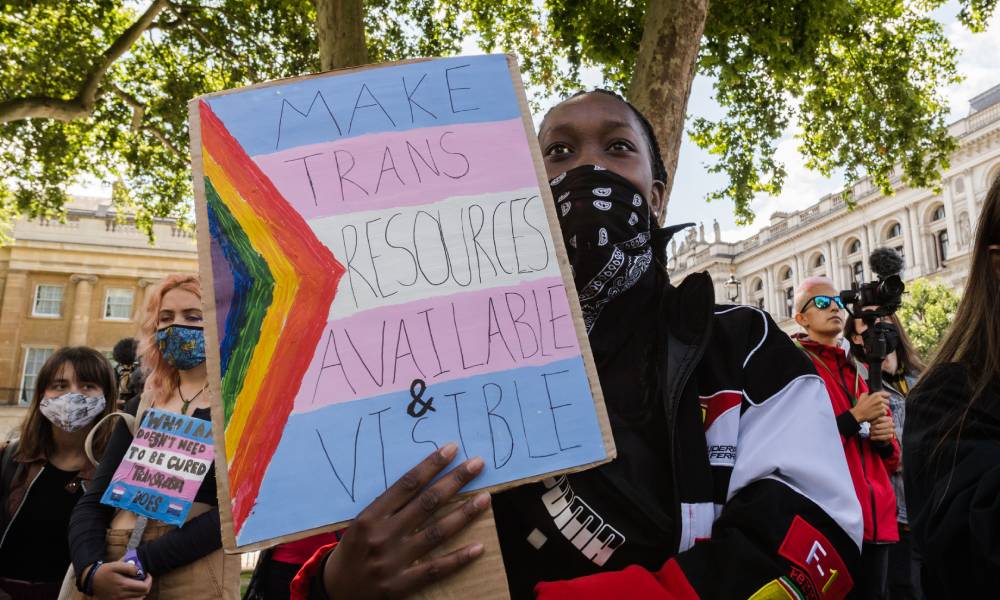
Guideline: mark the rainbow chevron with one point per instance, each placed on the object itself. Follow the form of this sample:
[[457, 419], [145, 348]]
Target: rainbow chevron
[[283, 283]]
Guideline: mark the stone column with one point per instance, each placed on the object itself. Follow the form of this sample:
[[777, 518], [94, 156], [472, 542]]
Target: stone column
[[16, 303], [951, 216], [970, 203], [908, 246], [866, 251], [769, 291], [147, 286], [81, 309], [800, 271], [833, 259], [917, 241]]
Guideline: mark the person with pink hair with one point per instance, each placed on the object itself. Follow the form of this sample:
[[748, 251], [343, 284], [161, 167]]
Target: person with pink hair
[[179, 562], [865, 424]]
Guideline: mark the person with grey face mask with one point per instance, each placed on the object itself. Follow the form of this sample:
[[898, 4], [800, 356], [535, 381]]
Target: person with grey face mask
[[900, 370], [45, 471]]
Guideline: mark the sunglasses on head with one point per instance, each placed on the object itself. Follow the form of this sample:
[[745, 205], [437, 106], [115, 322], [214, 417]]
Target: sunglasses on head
[[823, 302]]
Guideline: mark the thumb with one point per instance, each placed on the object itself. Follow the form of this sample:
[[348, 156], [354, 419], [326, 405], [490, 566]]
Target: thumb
[[122, 568]]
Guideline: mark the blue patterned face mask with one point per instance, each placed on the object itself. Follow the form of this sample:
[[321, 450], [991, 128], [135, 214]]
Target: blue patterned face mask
[[183, 347]]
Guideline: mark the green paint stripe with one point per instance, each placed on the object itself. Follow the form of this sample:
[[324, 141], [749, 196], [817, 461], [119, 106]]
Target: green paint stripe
[[255, 306]]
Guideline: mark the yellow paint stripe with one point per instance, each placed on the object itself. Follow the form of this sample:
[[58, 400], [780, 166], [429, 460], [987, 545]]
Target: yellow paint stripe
[[286, 285]]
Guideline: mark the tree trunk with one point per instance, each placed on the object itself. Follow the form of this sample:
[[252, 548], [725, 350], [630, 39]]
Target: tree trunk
[[341, 27], [664, 70]]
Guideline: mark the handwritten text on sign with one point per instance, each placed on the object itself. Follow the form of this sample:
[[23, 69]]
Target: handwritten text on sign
[[450, 319], [163, 468]]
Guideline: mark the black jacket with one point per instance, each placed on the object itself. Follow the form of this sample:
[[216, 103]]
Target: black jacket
[[953, 489], [762, 495]]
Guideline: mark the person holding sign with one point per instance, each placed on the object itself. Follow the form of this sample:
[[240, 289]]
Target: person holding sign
[[44, 472], [767, 511], [179, 562]]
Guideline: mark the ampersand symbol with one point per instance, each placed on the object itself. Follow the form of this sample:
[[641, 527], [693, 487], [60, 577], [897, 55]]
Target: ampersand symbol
[[417, 389]]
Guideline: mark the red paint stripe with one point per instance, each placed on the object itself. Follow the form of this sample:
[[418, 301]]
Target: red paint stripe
[[319, 274], [720, 403]]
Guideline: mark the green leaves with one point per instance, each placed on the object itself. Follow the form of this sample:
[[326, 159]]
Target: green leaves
[[927, 311], [861, 78]]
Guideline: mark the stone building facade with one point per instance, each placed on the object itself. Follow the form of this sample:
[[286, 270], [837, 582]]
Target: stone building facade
[[933, 231], [81, 282]]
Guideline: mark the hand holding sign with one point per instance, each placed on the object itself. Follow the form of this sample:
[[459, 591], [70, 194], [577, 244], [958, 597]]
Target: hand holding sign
[[375, 558]]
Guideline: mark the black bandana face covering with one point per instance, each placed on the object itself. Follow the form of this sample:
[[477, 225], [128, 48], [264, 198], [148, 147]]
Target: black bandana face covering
[[605, 223]]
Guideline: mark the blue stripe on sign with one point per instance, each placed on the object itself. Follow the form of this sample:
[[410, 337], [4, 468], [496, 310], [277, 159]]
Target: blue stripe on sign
[[184, 426], [144, 501], [334, 461], [446, 91]]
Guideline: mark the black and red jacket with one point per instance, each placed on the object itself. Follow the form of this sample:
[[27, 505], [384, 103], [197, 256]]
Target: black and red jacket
[[762, 496], [870, 464]]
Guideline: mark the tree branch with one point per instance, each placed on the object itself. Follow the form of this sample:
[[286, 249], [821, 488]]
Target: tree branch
[[82, 104], [139, 124]]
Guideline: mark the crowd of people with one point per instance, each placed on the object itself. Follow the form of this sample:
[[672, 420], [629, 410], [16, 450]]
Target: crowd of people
[[750, 464]]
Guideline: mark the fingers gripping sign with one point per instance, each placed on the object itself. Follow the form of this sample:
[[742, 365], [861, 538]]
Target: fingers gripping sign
[[385, 551]]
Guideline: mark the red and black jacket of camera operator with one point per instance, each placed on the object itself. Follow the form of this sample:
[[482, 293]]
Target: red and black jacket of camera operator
[[870, 463]]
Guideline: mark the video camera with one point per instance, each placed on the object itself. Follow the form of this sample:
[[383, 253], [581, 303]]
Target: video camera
[[886, 294]]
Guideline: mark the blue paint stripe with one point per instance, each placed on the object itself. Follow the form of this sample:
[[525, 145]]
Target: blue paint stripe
[[161, 507], [446, 91], [168, 425], [532, 430]]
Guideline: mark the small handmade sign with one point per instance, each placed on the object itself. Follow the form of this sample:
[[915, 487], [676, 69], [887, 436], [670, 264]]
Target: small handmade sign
[[381, 277], [163, 468]]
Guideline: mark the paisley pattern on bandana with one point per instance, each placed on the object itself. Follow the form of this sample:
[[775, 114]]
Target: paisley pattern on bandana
[[605, 222], [183, 347]]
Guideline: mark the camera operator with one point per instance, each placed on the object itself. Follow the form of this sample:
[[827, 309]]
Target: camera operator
[[900, 370], [872, 451]]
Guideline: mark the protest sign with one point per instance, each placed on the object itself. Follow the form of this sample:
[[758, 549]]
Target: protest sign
[[381, 277], [163, 468]]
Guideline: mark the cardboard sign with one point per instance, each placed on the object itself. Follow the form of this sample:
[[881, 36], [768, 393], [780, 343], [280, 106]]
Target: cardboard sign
[[163, 468], [381, 278]]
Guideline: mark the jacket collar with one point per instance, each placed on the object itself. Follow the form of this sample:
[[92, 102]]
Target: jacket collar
[[39, 459]]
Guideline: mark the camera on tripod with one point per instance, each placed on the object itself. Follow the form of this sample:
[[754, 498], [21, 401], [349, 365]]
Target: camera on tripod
[[873, 300]]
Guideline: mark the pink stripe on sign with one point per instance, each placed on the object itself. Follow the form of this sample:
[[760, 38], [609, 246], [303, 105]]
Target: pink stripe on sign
[[449, 337], [175, 444], [164, 482], [410, 168]]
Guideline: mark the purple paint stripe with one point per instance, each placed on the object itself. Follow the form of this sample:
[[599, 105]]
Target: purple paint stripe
[[222, 279], [204, 451], [439, 339], [387, 170], [128, 468]]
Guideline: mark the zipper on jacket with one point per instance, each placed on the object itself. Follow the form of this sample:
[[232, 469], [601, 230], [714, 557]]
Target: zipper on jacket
[[20, 506]]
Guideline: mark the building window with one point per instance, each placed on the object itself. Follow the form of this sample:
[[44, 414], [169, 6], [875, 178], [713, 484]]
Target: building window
[[855, 247], [33, 361], [789, 302], [938, 214], [858, 271], [48, 301], [758, 285], [786, 274], [895, 231], [942, 246], [760, 303], [819, 261], [118, 304]]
